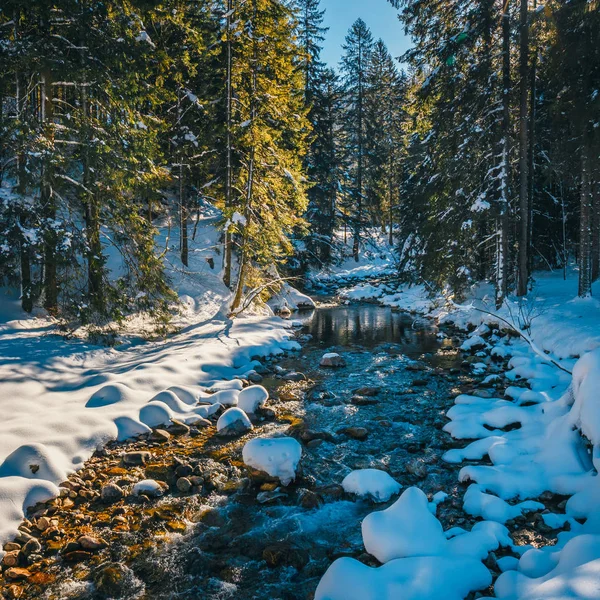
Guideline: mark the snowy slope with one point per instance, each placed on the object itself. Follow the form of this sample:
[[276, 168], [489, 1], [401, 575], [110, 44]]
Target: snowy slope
[[60, 399]]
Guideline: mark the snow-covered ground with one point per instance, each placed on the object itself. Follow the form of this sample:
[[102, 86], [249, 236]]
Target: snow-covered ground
[[61, 399], [376, 259], [544, 437]]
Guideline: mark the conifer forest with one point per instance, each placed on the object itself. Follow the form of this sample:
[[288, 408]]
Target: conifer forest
[[298, 311]]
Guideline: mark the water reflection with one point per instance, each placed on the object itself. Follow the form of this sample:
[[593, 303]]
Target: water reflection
[[370, 325]]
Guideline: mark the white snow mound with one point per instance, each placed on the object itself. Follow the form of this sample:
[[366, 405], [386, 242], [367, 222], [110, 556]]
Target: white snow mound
[[279, 457], [371, 483]]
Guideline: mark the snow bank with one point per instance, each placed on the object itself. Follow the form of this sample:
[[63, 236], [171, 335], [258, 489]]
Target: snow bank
[[420, 562], [419, 578], [371, 483], [290, 298], [279, 457], [60, 399]]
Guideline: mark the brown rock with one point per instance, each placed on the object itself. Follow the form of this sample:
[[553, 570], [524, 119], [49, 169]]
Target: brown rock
[[88, 542], [16, 573], [11, 559]]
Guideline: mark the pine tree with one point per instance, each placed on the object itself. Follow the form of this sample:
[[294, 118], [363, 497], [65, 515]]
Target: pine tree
[[354, 66], [271, 130]]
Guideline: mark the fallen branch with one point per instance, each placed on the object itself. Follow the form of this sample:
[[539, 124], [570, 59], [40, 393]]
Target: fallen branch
[[545, 357]]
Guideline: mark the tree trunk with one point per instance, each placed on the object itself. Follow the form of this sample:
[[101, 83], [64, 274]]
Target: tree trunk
[[228, 176], [502, 246], [531, 152], [359, 169], [91, 200], [595, 191], [585, 224], [244, 258], [47, 202], [523, 259]]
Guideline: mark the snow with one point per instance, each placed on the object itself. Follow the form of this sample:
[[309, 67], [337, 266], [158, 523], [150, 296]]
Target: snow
[[148, 487], [418, 578], [232, 416], [279, 457], [407, 528], [539, 438], [291, 298], [419, 561], [73, 396], [371, 483], [252, 398]]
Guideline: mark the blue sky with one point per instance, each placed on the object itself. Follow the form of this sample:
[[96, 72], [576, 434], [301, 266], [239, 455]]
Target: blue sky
[[379, 15]]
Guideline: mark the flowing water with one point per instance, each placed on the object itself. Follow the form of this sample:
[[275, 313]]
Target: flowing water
[[280, 549], [247, 538]]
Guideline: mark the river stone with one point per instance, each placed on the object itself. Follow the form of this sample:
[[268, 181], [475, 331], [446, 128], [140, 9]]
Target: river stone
[[294, 376], [10, 546], [111, 492], [178, 428], [308, 499], [11, 559], [285, 553], [160, 435], [363, 400], [417, 467], [88, 542], [115, 581], [136, 459], [16, 573], [184, 485], [31, 547], [367, 391], [356, 433], [332, 359]]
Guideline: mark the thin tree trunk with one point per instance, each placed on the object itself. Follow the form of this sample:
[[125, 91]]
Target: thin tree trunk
[[595, 191], [91, 201], [359, 174], [228, 176], [502, 248], [244, 258], [523, 258], [532, 119], [47, 201], [585, 224]]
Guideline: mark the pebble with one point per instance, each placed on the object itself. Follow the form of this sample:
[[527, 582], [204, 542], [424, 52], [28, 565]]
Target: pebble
[[88, 542], [17, 573], [11, 559], [160, 435], [294, 376], [111, 492], [136, 459], [31, 547], [184, 485], [179, 428], [332, 360], [356, 433]]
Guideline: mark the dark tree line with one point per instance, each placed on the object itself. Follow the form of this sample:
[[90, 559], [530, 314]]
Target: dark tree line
[[503, 140]]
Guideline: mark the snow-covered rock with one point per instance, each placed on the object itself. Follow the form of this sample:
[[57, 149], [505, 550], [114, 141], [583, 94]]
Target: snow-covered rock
[[473, 343], [234, 421], [252, 398], [371, 483], [332, 359], [147, 487], [407, 528], [279, 457], [479, 504], [417, 578], [225, 397]]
